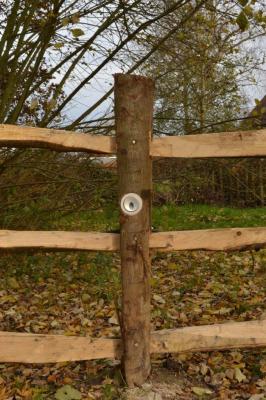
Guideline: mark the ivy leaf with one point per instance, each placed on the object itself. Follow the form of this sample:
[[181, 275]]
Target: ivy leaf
[[242, 21], [77, 32], [67, 392]]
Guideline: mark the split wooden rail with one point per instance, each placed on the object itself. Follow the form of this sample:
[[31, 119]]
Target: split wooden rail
[[135, 149]]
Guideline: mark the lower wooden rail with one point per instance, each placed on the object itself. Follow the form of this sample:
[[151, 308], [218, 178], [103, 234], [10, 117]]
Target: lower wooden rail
[[35, 348], [233, 335], [205, 239]]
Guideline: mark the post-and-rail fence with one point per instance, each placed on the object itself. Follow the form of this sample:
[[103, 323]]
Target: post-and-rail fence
[[135, 148]]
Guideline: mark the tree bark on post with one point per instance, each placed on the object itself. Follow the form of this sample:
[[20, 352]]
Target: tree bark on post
[[133, 113]]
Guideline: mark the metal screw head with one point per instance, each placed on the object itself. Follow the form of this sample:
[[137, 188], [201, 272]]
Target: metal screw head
[[131, 204]]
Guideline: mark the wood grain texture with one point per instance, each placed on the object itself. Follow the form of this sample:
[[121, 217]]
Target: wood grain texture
[[35, 348], [133, 112], [210, 239], [58, 140], [206, 239], [58, 240], [224, 144], [210, 337]]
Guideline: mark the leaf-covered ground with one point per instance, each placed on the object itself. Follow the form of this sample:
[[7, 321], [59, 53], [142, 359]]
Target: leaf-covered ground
[[76, 293]]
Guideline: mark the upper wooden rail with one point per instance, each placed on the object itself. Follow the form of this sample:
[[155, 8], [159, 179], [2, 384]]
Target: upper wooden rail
[[36, 348], [226, 239], [58, 140], [224, 144]]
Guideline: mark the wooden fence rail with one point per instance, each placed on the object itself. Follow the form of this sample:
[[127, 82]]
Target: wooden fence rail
[[36, 348], [52, 139], [225, 239], [211, 145], [58, 240], [134, 148]]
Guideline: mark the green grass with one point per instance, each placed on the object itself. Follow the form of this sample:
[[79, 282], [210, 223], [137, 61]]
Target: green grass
[[105, 220], [170, 217]]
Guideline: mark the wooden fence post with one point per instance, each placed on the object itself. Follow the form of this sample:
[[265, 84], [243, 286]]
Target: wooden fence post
[[133, 114]]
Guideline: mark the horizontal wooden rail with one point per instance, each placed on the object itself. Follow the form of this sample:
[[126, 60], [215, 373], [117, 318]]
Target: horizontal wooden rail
[[210, 239], [232, 335], [35, 348], [59, 140], [58, 240], [205, 239], [225, 144]]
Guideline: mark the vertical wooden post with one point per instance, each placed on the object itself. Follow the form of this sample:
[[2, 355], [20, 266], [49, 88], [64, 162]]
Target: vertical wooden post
[[133, 114]]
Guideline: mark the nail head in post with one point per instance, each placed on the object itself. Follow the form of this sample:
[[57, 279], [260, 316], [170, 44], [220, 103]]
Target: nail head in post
[[131, 204]]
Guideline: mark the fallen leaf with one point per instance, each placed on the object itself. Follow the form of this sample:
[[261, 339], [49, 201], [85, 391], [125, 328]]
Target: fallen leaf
[[85, 297], [261, 383], [158, 299], [67, 392], [199, 391], [240, 377], [113, 320], [176, 293], [204, 369], [263, 367], [13, 283]]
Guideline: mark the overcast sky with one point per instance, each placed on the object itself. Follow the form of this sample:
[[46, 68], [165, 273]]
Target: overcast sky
[[104, 80]]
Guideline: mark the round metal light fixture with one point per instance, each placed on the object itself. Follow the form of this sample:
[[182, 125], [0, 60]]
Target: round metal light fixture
[[131, 204]]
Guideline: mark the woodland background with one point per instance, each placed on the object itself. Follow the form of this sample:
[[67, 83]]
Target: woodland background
[[57, 58]]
